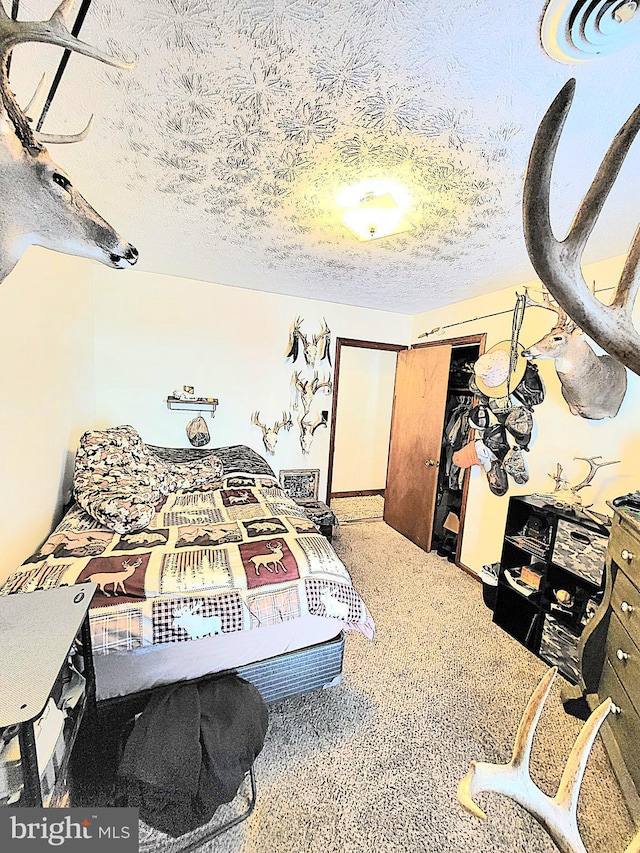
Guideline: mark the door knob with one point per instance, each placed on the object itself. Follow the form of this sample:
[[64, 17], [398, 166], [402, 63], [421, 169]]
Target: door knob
[[626, 555], [432, 463]]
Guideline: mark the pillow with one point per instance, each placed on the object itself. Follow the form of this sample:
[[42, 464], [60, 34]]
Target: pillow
[[115, 481]]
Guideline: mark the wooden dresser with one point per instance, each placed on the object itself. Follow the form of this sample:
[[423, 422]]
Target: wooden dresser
[[610, 656]]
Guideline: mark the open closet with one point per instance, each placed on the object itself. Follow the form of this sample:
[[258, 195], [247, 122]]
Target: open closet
[[456, 433], [425, 494]]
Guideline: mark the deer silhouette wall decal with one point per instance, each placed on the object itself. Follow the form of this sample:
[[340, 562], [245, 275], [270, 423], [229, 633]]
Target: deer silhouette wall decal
[[38, 203]]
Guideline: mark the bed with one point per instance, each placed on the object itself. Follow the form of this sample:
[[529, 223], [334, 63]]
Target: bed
[[226, 573]]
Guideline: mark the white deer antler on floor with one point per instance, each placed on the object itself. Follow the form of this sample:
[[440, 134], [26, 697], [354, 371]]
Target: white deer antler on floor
[[558, 815]]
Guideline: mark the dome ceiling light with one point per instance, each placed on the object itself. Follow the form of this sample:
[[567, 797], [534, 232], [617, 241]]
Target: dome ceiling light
[[374, 209], [579, 30]]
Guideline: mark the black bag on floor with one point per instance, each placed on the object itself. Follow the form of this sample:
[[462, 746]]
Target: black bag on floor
[[189, 751]]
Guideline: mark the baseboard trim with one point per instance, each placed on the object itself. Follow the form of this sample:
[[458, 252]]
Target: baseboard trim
[[357, 494]]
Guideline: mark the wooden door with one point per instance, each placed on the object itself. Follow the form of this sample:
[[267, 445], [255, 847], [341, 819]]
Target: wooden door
[[417, 423]]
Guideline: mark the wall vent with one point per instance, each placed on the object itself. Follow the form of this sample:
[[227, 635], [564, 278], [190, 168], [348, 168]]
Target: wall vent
[[580, 30]]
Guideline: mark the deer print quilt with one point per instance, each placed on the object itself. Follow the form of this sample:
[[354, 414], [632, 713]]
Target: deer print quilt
[[211, 561]]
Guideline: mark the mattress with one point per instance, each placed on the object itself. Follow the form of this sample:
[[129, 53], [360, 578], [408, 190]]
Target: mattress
[[123, 673]]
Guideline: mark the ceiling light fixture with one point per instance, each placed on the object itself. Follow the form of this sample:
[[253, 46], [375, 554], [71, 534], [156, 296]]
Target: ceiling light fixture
[[375, 208], [578, 30]]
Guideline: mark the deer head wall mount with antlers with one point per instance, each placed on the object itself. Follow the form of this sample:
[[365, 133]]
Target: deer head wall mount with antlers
[[315, 349], [270, 434], [38, 202], [592, 385], [308, 429], [305, 389], [558, 262]]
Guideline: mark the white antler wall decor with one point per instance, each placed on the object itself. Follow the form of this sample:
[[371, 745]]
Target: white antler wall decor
[[558, 814], [38, 203], [270, 434], [316, 348], [592, 385], [306, 389], [558, 262], [308, 429]]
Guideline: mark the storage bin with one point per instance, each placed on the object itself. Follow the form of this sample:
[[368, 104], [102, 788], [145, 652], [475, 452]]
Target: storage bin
[[559, 647], [580, 551]]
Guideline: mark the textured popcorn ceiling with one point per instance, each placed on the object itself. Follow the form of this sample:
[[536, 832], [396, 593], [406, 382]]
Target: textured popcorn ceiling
[[221, 154]]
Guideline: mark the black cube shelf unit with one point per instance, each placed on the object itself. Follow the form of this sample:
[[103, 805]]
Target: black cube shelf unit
[[561, 551]]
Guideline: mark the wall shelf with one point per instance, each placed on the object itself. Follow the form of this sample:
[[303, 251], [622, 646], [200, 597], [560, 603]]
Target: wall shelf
[[200, 404]]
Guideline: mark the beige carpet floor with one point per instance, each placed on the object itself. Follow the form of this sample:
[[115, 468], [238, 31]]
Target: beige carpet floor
[[373, 764], [361, 508]]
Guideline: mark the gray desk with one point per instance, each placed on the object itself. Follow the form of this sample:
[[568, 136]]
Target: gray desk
[[37, 630]]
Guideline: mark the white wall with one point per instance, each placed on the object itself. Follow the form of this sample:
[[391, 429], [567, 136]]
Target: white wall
[[559, 436], [156, 333], [47, 391], [363, 419]]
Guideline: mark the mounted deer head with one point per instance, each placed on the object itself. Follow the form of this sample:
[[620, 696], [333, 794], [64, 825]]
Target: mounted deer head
[[558, 262], [592, 385], [39, 204], [270, 435]]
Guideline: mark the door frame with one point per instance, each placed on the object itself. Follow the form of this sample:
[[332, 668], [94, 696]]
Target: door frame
[[358, 344], [468, 340]]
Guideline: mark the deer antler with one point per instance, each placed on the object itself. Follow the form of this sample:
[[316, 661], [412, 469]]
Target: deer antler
[[558, 263], [593, 468], [558, 815], [54, 31], [322, 341], [286, 422], [53, 138], [318, 383], [564, 321], [295, 338], [255, 420]]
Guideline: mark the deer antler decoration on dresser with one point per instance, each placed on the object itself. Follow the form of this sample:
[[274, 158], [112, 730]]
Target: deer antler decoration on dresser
[[558, 262], [38, 203]]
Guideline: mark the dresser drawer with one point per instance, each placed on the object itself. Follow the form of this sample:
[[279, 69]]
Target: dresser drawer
[[625, 603], [625, 726], [624, 540], [627, 668], [580, 551]]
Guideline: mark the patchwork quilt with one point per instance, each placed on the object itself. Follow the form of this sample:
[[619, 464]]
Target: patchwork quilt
[[211, 561]]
